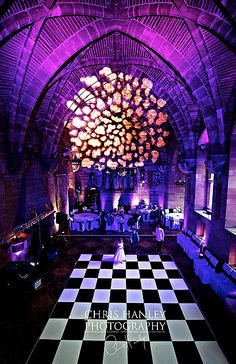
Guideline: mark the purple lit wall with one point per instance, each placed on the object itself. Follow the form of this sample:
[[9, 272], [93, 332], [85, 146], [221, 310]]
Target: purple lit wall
[[187, 51]]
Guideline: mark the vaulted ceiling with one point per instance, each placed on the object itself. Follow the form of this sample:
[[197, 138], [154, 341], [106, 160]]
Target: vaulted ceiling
[[186, 47]]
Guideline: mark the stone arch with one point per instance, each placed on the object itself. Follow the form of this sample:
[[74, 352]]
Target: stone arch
[[102, 27]]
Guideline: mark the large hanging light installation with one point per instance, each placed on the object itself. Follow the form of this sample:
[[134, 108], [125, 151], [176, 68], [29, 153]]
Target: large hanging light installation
[[117, 121]]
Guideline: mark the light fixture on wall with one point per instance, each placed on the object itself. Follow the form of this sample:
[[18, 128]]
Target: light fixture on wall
[[180, 182], [76, 164], [142, 177]]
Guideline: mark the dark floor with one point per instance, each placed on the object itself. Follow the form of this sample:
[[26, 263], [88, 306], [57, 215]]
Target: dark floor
[[24, 311]]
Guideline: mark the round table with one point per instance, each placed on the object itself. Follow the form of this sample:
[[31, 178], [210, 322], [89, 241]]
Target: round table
[[173, 219], [85, 221]]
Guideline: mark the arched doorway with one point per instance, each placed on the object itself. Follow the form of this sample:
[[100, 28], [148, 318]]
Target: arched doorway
[[92, 198]]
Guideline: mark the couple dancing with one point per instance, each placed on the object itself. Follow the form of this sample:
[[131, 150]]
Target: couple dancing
[[119, 256]]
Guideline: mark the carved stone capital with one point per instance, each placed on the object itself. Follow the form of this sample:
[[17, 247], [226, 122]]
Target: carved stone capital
[[49, 163], [162, 168], [216, 165], [18, 163], [186, 166]]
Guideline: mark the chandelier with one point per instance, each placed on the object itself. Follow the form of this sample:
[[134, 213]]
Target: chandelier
[[117, 121]]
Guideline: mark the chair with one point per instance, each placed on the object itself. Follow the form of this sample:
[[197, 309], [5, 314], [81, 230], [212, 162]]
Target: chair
[[74, 225], [89, 224], [137, 223], [181, 223], [201, 266], [227, 288], [80, 224], [97, 223], [192, 249], [146, 216], [223, 276]]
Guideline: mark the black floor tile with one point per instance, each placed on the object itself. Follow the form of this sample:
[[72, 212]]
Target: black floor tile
[[118, 295], [172, 311], [74, 283], [74, 330], [133, 283], [62, 310], [151, 296], [119, 273], [91, 273], [187, 352], [146, 273], [184, 296], [163, 283], [91, 352], [173, 273], [139, 352], [200, 330], [131, 265], [85, 295], [99, 311], [81, 264], [44, 352], [158, 330]]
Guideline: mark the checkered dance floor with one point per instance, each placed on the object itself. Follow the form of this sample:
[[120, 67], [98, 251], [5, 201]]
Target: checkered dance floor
[[139, 311]]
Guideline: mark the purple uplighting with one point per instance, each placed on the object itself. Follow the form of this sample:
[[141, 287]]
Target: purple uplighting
[[118, 180]]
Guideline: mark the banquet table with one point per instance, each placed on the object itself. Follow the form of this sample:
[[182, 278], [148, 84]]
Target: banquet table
[[173, 220], [85, 221], [116, 223]]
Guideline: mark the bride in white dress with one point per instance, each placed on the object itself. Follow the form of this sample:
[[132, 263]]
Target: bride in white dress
[[119, 255]]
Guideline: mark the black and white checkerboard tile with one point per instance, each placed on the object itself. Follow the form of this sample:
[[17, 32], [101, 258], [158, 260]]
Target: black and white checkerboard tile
[[138, 311]]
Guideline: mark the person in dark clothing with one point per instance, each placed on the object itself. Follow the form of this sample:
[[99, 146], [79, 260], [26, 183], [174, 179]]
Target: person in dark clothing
[[134, 239], [103, 221]]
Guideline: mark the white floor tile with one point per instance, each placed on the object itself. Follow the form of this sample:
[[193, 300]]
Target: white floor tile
[[94, 264], [134, 296], [88, 283], [118, 283], [132, 273], [78, 273], [80, 310], [178, 283], [105, 273], [137, 330], [117, 311], [54, 329], [169, 265], [160, 273], [210, 352], [179, 330], [115, 352], [95, 330], [68, 295], [67, 352], [163, 353], [167, 296], [85, 257], [101, 295], [154, 311], [191, 311], [148, 283]]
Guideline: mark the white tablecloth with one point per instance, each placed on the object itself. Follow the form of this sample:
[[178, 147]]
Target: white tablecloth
[[176, 217], [117, 222], [89, 219]]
